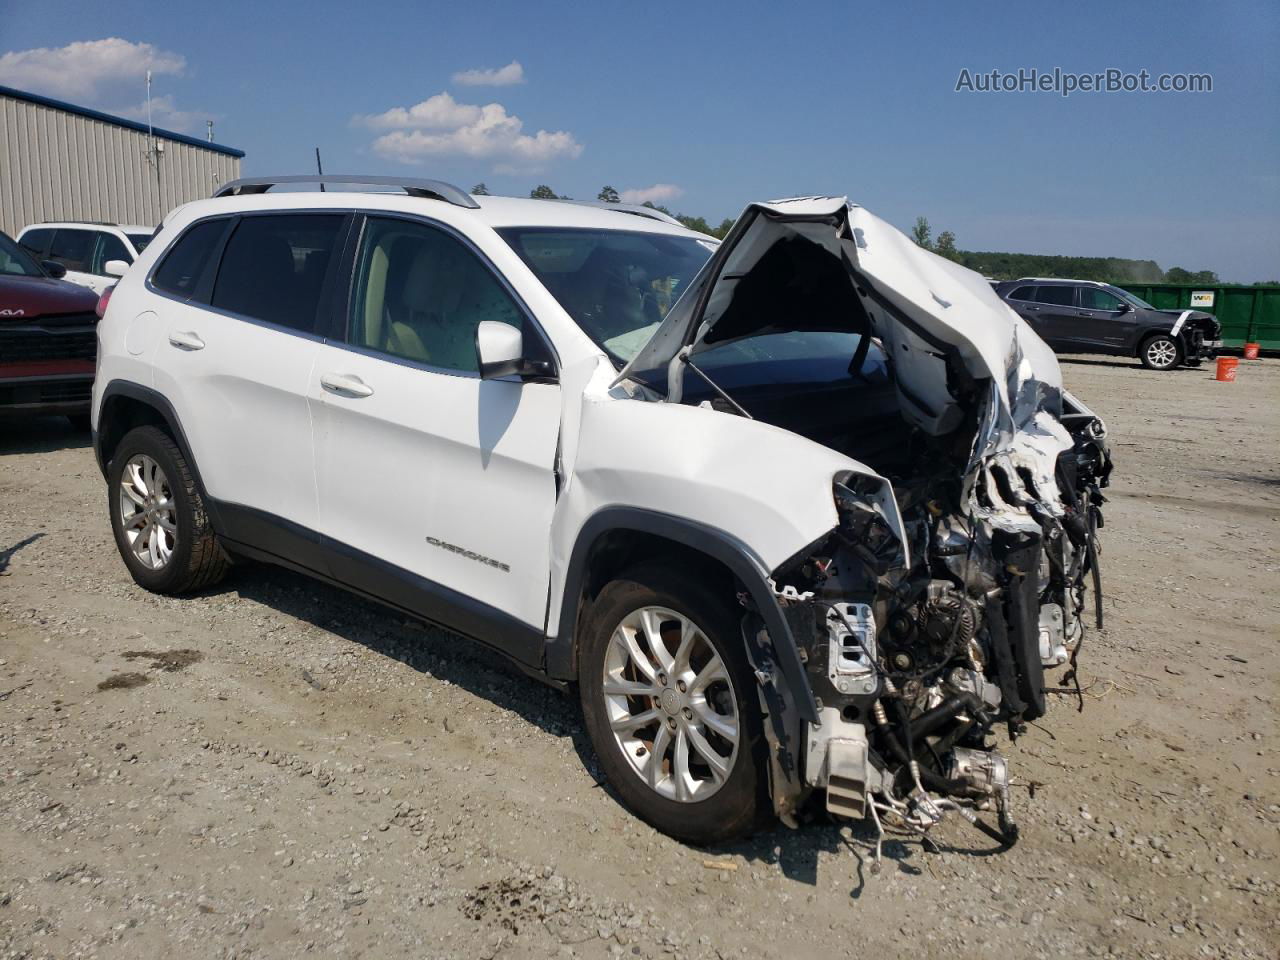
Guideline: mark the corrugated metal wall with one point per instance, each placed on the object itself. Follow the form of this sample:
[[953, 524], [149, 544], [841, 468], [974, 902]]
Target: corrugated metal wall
[[56, 165]]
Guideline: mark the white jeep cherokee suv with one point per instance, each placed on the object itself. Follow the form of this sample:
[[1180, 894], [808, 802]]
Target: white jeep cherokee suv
[[802, 515]]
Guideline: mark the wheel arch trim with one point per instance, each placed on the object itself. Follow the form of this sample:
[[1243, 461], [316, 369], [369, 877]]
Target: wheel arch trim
[[161, 405], [709, 541]]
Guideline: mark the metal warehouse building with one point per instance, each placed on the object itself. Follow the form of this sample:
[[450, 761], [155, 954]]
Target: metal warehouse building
[[63, 162]]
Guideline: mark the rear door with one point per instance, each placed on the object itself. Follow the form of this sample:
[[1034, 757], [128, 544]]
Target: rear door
[[1055, 312], [237, 356], [436, 488], [36, 242]]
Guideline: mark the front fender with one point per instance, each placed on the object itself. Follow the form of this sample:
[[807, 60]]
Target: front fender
[[748, 494]]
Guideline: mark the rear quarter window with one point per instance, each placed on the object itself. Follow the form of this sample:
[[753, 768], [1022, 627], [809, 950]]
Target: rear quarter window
[[183, 265]]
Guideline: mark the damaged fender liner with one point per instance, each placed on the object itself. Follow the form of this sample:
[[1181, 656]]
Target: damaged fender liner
[[798, 695]]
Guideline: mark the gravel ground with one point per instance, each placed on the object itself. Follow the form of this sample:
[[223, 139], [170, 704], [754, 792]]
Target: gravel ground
[[275, 768]]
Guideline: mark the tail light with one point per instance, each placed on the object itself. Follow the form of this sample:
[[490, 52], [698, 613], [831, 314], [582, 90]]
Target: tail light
[[103, 300]]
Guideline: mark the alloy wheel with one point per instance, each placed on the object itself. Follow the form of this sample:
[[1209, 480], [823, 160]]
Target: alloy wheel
[[671, 704], [1162, 353], [148, 515]]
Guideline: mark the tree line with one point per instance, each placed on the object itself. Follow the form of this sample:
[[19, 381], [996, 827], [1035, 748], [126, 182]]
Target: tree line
[[997, 266], [608, 194], [1011, 266]]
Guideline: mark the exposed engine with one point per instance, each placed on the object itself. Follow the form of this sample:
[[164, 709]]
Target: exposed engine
[[922, 639]]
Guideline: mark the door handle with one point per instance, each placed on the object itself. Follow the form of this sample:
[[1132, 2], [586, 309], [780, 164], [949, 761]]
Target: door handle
[[345, 384], [186, 340]]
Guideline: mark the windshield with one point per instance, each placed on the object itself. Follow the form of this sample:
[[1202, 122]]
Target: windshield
[[617, 285], [139, 240], [1132, 298], [14, 261]]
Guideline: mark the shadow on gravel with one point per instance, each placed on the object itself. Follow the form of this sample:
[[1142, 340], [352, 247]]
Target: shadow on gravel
[[41, 435], [1124, 363], [7, 554], [427, 649]]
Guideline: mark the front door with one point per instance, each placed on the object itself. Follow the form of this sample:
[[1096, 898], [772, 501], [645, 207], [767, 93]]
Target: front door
[[1102, 322], [436, 487], [75, 249]]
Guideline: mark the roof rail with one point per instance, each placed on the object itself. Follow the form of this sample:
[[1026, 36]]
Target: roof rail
[[635, 209], [429, 189], [1057, 280]]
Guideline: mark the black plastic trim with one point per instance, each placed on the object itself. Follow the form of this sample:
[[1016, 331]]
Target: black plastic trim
[[707, 540], [274, 539]]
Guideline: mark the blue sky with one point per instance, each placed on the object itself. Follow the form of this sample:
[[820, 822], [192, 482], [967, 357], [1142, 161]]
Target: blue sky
[[718, 104]]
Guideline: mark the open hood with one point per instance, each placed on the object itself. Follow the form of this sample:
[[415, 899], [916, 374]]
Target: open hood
[[937, 320]]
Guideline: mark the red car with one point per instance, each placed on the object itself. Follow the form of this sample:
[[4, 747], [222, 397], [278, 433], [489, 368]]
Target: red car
[[48, 339]]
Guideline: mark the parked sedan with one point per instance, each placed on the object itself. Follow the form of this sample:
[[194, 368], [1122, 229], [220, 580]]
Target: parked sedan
[[48, 339], [1083, 316]]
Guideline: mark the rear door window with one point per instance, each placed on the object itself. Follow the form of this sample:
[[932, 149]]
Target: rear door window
[[73, 249], [1058, 296], [183, 265], [273, 268], [36, 243]]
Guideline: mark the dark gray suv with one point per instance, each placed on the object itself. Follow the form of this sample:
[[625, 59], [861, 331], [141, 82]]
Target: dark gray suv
[[1083, 316]]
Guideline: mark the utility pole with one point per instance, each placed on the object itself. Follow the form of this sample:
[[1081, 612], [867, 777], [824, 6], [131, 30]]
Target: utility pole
[[154, 154]]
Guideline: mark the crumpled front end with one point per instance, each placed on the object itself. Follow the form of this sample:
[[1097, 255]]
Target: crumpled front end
[[920, 636], [917, 648]]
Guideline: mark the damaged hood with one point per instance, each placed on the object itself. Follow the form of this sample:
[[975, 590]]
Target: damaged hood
[[922, 307]]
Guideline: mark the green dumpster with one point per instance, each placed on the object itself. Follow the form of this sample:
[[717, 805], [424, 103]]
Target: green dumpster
[[1247, 314]]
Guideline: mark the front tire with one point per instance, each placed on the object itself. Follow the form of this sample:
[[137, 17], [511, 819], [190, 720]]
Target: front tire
[[670, 705], [1160, 352], [158, 516]]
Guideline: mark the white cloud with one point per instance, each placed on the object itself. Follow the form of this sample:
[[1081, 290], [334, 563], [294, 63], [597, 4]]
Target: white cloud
[[658, 193], [506, 76], [440, 126], [440, 112], [87, 70]]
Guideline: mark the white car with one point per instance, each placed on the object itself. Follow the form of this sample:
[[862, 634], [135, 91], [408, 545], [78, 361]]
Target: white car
[[93, 255], [801, 515]]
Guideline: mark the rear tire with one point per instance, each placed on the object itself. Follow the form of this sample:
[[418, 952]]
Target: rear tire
[[713, 790], [1160, 352], [158, 516]]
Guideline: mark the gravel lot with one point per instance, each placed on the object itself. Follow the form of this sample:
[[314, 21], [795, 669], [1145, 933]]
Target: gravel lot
[[275, 768]]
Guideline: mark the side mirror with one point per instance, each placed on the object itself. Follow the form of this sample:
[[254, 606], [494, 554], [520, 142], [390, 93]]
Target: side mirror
[[54, 269], [1124, 307], [115, 268], [500, 350]]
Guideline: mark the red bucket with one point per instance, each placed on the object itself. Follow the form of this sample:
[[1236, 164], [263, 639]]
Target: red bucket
[[1251, 351], [1227, 369]]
